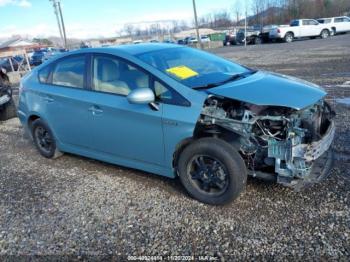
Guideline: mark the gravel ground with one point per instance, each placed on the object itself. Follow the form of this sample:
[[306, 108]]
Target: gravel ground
[[81, 207]]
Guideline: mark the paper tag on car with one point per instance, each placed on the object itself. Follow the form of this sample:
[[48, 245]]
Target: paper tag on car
[[182, 72]]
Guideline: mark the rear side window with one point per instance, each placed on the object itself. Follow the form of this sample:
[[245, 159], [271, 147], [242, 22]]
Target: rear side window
[[69, 72], [341, 19], [44, 74], [312, 22]]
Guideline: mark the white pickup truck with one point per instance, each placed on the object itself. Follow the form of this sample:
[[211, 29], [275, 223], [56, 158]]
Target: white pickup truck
[[339, 24], [301, 28]]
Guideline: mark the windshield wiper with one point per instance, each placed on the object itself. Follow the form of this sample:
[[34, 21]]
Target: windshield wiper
[[230, 79]]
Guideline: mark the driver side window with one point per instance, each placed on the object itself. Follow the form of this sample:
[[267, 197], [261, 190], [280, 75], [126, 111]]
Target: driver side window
[[113, 75]]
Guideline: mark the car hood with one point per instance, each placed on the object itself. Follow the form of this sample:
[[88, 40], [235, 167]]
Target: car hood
[[266, 88]]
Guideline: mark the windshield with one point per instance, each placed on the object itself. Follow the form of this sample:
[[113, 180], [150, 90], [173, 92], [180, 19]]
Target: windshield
[[192, 67]]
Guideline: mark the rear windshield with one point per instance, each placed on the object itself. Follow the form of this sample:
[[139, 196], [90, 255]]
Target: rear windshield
[[324, 21], [294, 23]]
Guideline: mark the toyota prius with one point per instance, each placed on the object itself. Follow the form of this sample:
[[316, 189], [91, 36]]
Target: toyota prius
[[178, 111]]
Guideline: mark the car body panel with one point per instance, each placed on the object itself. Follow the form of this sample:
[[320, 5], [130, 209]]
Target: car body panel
[[263, 88], [107, 127], [115, 136]]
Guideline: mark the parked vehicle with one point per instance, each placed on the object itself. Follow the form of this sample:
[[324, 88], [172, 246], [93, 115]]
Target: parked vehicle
[[136, 42], [192, 40], [38, 57], [205, 39], [178, 111], [339, 24], [181, 42], [7, 106], [301, 28], [54, 52], [265, 33], [16, 62], [230, 38], [253, 36], [168, 41]]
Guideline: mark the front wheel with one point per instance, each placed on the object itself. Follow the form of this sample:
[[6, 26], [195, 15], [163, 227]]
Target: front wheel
[[324, 34], [212, 171]]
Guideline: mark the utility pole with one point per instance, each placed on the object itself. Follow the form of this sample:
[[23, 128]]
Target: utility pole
[[63, 27], [58, 12], [196, 24], [57, 17], [245, 30], [245, 26]]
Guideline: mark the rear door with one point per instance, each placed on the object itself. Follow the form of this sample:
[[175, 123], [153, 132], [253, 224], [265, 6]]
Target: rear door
[[66, 101]]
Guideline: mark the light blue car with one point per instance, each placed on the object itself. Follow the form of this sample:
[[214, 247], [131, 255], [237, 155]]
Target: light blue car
[[177, 111]]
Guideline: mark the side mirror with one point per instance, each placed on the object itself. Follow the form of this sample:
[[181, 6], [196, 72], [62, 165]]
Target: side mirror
[[141, 96]]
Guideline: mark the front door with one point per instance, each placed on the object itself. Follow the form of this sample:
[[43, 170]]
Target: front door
[[129, 131]]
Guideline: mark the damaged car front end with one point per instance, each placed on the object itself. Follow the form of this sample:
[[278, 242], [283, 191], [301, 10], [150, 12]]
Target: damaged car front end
[[279, 143]]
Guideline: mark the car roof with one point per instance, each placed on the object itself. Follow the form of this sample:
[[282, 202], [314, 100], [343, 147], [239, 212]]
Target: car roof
[[130, 49], [133, 49]]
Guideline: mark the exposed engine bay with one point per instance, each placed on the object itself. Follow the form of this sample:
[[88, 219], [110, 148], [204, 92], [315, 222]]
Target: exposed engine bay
[[277, 142]]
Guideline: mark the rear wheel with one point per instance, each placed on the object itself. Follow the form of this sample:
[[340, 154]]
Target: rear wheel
[[288, 38], [44, 139], [212, 171], [257, 41], [324, 34]]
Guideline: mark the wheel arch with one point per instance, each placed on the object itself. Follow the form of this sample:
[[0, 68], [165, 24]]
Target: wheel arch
[[200, 132], [31, 119]]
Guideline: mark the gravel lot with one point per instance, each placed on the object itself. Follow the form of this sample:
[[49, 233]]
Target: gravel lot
[[80, 207]]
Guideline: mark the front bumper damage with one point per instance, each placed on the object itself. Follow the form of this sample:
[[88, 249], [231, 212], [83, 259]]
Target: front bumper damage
[[291, 147], [300, 164]]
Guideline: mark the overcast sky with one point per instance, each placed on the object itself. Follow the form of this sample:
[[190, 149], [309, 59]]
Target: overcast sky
[[96, 18]]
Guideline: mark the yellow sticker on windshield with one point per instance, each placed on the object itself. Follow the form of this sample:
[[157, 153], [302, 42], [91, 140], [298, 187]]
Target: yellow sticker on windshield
[[182, 72]]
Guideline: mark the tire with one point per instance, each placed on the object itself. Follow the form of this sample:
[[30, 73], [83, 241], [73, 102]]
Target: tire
[[324, 34], [223, 167], [8, 111], [257, 41], [45, 143], [288, 38]]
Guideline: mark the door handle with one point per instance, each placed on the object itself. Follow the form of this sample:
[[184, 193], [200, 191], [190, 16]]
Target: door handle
[[49, 99], [95, 110]]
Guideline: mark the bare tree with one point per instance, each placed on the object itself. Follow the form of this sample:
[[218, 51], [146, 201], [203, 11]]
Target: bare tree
[[129, 29]]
